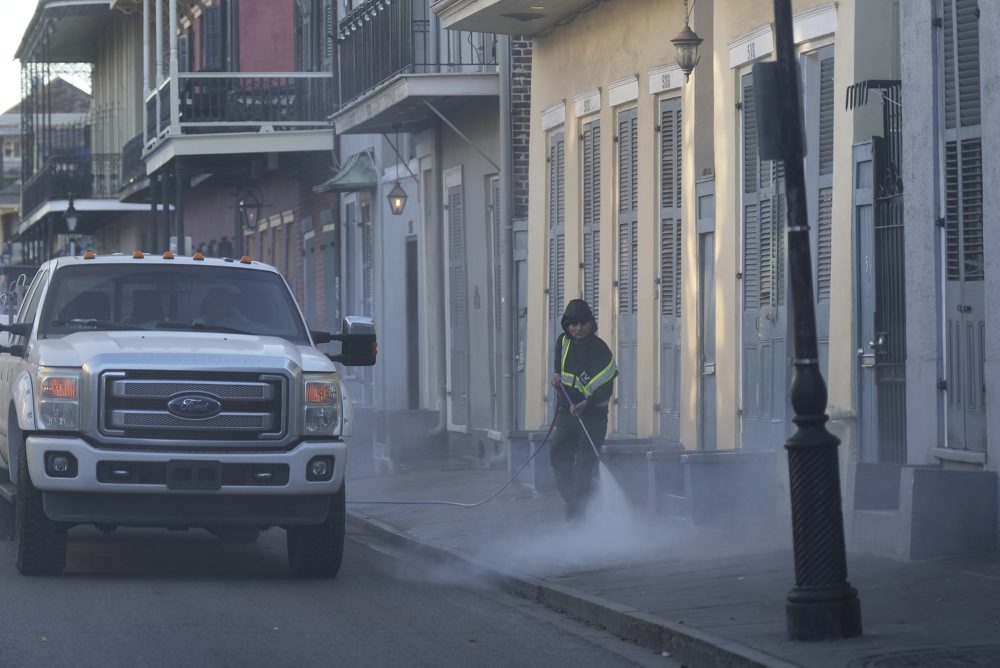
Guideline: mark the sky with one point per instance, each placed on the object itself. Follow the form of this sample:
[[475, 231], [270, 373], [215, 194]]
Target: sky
[[14, 18]]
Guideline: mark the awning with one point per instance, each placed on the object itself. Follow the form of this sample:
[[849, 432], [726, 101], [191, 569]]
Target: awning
[[358, 173]]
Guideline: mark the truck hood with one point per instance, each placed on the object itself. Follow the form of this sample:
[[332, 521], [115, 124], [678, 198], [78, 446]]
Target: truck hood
[[177, 350]]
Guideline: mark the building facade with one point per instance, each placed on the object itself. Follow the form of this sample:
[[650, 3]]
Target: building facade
[[649, 199]]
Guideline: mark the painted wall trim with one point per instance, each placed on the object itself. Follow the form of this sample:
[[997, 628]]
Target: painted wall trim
[[814, 23], [664, 78], [587, 103], [751, 46], [623, 90], [554, 115]]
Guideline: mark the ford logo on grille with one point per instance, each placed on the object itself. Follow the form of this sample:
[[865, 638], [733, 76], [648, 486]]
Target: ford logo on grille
[[194, 406]]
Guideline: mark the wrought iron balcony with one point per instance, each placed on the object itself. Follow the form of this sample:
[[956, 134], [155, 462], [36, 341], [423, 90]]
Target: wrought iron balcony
[[240, 102], [133, 166], [84, 176], [381, 40]]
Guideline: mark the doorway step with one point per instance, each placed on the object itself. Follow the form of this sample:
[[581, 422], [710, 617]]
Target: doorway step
[[921, 512]]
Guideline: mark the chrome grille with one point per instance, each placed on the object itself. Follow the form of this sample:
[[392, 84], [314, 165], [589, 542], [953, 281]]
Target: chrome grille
[[141, 419], [140, 389], [251, 407]]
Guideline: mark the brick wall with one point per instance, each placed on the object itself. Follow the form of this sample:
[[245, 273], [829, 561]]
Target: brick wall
[[520, 109]]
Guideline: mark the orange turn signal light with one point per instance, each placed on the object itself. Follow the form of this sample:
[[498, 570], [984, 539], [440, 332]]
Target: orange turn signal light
[[167, 255], [59, 388], [318, 393], [198, 256], [138, 255], [246, 259], [89, 255]]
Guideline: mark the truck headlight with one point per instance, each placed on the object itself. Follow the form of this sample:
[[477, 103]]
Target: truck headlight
[[58, 400], [322, 405]]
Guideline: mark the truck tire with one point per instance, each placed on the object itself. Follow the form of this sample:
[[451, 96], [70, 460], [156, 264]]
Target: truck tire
[[315, 551], [40, 542]]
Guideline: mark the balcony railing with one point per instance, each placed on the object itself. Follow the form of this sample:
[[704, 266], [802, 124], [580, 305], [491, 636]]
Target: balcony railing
[[84, 177], [241, 102], [133, 166], [383, 40]]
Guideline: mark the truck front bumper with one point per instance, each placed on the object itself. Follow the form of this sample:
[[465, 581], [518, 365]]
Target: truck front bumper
[[115, 472]]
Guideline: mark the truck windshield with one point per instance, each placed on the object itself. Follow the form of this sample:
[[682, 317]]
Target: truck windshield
[[179, 297]]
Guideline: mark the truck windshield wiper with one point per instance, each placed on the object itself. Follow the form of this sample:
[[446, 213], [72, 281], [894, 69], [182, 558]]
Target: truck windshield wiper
[[92, 323], [198, 327]]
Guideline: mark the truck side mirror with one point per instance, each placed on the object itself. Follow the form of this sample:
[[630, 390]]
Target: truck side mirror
[[16, 351], [358, 344], [17, 328]]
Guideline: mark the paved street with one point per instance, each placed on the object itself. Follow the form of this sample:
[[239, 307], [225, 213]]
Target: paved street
[[155, 598]]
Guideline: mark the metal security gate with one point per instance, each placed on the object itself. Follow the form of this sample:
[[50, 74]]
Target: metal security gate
[[764, 323], [557, 240], [964, 262], [458, 362], [669, 279], [628, 290], [880, 269]]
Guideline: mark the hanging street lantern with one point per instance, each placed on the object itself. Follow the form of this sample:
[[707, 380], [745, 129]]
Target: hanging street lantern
[[397, 199], [250, 208], [687, 43]]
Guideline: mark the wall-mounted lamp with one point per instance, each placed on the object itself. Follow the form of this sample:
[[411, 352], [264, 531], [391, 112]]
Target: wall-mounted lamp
[[397, 199], [687, 42], [250, 208], [71, 215]]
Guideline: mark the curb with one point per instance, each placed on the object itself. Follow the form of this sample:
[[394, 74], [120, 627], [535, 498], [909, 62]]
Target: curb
[[684, 643]]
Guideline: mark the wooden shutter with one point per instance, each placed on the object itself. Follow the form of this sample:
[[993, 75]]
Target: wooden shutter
[[591, 173], [628, 205], [457, 307], [367, 261], [824, 224], [751, 221], [557, 220], [212, 47], [670, 208], [963, 145]]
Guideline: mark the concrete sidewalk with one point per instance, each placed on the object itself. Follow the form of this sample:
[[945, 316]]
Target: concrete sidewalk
[[672, 587]]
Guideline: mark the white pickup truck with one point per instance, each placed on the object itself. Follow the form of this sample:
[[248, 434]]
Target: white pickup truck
[[177, 392]]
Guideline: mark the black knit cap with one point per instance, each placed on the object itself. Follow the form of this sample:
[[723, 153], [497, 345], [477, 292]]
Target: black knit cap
[[577, 310]]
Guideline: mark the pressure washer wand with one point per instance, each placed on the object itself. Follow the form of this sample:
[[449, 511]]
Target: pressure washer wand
[[582, 426]]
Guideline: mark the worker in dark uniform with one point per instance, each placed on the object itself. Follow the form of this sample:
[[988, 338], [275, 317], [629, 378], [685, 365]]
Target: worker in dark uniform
[[586, 369]]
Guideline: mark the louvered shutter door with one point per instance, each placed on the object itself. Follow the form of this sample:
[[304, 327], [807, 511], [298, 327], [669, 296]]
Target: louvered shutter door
[[824, 223], [557, 238], [670, 173], [764, 325], [628, 290], [591, 173], [457, 345], [367, 261], [964, 259]]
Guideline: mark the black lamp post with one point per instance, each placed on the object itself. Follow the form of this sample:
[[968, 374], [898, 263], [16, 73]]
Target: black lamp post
[[397, 199], [822, 605], [71, 216], [250, 209], [687, 43]]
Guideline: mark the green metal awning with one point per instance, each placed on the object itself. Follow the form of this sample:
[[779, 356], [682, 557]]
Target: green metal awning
[[358, 173]]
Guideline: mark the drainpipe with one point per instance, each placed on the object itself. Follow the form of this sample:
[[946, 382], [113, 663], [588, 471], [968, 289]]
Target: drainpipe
[[145, 69], [437, 291], [506, 232]]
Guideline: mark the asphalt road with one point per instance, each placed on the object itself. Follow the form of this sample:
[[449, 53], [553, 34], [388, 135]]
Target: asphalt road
[[156, 598]]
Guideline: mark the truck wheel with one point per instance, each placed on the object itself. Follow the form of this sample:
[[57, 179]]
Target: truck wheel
[[316, 550], [40, 542]]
